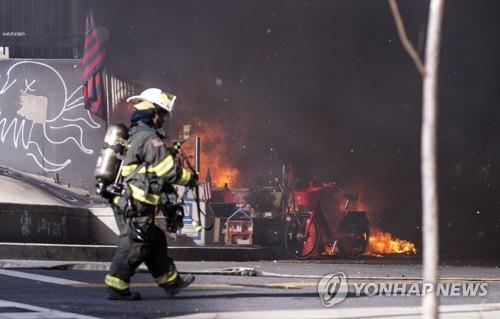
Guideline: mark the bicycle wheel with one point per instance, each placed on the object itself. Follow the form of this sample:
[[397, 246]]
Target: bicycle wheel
[[355, 244], [298, 245]]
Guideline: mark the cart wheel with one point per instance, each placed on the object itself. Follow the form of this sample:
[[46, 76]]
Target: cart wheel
[[296, 244], [354, 245]]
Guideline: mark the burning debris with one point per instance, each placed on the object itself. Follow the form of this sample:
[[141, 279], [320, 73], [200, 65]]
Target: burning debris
[[382, 243]]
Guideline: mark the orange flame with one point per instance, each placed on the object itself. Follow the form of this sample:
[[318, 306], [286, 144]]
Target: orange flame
[[217, 147], [381, 243]]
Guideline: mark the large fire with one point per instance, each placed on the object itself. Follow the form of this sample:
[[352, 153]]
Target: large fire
[[217, 152], [382, 243]]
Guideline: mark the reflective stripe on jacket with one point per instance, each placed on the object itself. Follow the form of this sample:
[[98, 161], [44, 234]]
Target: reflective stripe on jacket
[[149, 165]]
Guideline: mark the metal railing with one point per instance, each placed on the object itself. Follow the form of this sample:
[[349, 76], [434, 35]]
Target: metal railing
[[42, 28]]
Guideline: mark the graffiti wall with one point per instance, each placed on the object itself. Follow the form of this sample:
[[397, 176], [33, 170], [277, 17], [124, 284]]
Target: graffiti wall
[[44, 128]]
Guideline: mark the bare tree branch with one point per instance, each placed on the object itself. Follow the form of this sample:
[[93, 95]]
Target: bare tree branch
[[407, 45]]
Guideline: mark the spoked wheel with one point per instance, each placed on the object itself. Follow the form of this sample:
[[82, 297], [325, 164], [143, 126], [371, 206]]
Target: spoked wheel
[[354, 245], [301, 236]]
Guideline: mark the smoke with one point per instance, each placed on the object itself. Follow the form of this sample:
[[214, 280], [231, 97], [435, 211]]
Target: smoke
[[326, 87]]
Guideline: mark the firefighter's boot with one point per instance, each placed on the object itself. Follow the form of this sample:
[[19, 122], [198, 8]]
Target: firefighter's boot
[[126, 294], [179, 283]]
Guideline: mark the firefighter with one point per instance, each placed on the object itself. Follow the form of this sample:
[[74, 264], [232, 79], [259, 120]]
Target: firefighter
[[149, 170]]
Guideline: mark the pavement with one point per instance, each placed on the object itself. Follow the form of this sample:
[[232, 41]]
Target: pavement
[[263, 289], [488, 311], [56, 244]]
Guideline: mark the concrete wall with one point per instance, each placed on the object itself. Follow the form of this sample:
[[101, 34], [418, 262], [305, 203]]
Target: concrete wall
[[44, 128], [44, 224], [50, 224]]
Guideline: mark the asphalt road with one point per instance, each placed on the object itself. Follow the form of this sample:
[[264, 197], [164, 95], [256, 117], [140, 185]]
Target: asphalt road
[[81, 292]]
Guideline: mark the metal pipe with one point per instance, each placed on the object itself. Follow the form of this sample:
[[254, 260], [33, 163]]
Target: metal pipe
[[197, 154]]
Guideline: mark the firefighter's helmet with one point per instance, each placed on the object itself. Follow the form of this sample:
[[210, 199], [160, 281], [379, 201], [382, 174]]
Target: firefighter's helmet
[[156, 97]]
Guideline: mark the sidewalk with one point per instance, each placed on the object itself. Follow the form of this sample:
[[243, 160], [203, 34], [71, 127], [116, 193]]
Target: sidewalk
[[474, 311]]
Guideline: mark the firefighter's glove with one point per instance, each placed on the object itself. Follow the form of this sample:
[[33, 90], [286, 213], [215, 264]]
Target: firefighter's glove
[[175, 148], [197, 225], [193, 182]]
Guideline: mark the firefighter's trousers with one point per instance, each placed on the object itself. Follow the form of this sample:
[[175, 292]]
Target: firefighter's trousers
[[130, 252]]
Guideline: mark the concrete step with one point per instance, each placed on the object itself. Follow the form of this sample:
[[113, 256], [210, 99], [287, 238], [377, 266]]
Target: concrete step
[[36, 251]]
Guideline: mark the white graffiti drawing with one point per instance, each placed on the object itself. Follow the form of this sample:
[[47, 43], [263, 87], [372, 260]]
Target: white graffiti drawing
[[46, 227], [48, 111]]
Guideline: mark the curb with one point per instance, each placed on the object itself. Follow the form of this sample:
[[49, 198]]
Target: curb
[[26, 251]]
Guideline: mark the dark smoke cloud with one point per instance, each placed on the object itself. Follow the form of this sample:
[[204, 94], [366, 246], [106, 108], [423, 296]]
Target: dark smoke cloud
[[329, 90]]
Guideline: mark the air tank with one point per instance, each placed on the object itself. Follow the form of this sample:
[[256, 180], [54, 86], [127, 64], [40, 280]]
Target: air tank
[[110, 159]]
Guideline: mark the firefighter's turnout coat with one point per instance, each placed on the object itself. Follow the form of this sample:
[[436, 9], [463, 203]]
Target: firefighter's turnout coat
[[149, 165]]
